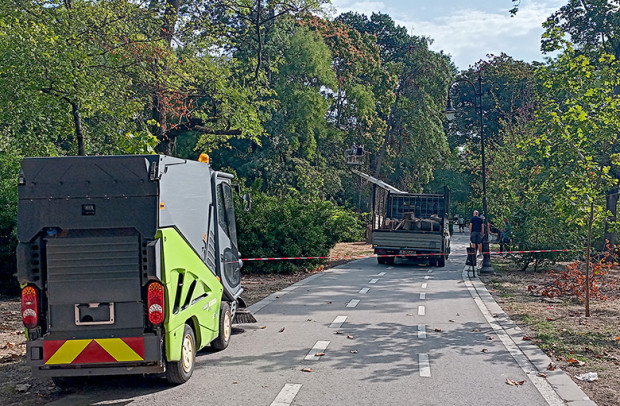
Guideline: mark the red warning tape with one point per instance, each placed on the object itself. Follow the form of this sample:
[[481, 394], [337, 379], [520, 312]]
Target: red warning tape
[[400, 255]]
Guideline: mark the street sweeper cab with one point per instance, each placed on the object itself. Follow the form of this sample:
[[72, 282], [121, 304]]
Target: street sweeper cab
[[128, 264]]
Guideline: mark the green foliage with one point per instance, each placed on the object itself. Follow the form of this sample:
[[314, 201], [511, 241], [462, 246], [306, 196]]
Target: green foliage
[[581, 117], [9, 168], [292, 226], [61, 65]]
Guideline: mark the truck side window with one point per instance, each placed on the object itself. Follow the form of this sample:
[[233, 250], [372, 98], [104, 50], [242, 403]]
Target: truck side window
[[226, 211], [221, 211]]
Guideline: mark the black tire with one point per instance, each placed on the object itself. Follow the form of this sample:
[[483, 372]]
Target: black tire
[[442, 261], [432, 261], [178, 372], [389, 260], [380, 260], [223, 339]]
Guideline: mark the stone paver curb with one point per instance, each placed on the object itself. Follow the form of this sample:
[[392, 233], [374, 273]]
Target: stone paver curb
[[563, 385]]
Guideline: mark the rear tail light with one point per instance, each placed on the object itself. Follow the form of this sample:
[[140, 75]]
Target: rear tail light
[[156, 303], [30, 307]]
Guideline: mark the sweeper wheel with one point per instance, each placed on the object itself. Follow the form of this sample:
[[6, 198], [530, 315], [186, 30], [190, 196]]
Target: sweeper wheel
[[180, 371], [222, 340]]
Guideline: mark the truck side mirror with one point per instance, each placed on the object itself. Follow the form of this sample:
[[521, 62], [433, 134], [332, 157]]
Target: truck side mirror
[[247, 202]]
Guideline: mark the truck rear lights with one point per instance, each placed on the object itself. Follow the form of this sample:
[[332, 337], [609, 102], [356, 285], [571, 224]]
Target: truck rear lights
[[156, 303], [30, 307]]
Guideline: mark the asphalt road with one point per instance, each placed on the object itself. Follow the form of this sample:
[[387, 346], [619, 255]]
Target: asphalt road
[[405, 334]]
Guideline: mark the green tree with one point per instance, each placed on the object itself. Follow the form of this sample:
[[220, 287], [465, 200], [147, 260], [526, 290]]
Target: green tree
[[414, 139], [68, 71], [578, 127], [591, 27]]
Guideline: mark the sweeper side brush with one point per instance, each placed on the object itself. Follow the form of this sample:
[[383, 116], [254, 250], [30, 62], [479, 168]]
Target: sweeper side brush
[[244, 316]]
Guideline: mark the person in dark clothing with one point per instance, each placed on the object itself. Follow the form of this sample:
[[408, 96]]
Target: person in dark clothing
[[505, 236], [476, 231], [461, 224]]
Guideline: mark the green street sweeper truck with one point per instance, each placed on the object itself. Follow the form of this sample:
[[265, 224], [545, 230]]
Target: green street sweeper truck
[[128, 264]]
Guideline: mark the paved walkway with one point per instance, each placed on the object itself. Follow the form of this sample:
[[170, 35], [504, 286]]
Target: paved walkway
[[366, 334]]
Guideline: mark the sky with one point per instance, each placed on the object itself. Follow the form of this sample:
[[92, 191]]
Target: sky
[[467, 30]]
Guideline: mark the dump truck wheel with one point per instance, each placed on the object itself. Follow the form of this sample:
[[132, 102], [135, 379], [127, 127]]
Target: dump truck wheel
[[442, 261], [222, 341], [178, 372], [389, 260], [380, 260], [432, 261]]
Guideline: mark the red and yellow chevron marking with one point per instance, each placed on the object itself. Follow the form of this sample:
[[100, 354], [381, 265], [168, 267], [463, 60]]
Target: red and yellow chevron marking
[[93, 351]]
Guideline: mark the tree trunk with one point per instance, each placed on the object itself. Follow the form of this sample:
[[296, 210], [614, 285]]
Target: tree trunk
[[159, 114], [589, 249], [259, 40], [170, 20], [79, 132], [388, 133]]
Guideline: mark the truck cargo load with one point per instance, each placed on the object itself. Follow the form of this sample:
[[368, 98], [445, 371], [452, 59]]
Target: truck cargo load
[[409, 225]]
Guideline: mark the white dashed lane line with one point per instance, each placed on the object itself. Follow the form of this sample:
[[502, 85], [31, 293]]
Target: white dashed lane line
[[363, 291], [337, 323], [389, 267], [421, 331], [421, 310], [430, 271], [425, 365], [353, 303], [422, 295], [319, 347], [287, 394], [373, 281], [427, 277], [381, 274], [424, 285]]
